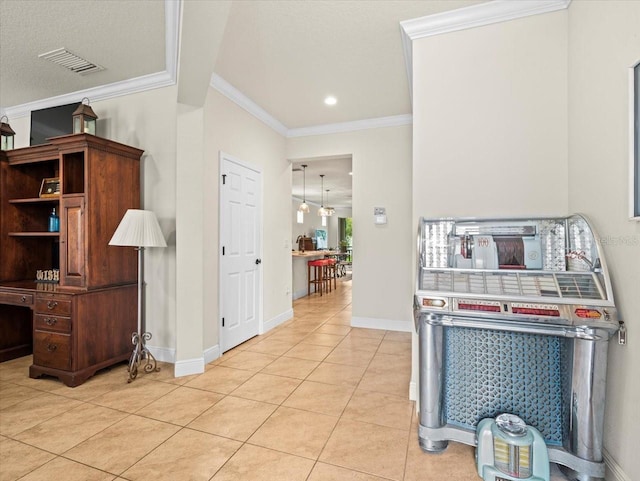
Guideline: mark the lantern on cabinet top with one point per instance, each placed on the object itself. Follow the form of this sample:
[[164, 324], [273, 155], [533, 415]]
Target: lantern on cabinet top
[[6, 134], [84, 119]]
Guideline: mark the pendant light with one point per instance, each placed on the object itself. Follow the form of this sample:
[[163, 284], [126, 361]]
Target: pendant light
[[322, 212], [304, 207], [329, 210]]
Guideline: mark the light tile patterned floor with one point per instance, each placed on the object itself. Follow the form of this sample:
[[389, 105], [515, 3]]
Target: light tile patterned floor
[[313, 399]]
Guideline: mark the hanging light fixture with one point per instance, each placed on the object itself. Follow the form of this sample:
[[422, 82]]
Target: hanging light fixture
[[329, 210], [322, 212], [304, 208]]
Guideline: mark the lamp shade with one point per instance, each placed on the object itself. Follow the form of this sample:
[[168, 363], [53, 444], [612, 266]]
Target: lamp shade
[[138, 228]]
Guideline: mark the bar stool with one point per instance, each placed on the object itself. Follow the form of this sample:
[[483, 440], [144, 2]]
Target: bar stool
[[319, 269], [331, 273]]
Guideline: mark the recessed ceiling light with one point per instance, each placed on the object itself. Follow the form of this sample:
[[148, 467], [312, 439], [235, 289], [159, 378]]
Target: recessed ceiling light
[[330, 100], [350, 173]]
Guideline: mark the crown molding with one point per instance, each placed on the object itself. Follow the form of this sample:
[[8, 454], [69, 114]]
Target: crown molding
[[104, 92], [469, 17], [240, 99], [380, 122], [166, 78]]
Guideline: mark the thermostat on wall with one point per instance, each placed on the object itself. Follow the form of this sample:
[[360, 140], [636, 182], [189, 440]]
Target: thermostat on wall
[[379, 215]]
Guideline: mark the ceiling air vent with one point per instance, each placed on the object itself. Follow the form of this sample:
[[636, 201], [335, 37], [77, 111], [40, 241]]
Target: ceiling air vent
[[68, 60]]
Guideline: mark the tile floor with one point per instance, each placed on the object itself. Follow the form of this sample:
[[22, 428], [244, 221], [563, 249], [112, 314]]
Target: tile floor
[[313, 399]]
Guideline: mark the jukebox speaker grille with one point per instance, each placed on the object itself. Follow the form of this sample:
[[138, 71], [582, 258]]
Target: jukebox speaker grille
[[489, 372]]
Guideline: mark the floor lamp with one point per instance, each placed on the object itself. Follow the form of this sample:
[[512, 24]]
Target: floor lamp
[[139, 229]]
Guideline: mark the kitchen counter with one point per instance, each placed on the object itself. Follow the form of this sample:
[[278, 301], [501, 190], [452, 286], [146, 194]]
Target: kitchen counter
[[309, 254]]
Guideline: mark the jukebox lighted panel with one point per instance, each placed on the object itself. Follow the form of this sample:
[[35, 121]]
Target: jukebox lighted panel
[[514, 316]]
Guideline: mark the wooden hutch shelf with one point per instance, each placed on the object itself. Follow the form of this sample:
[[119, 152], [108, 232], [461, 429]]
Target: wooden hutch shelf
[[84, 322], [36, 200], [34, 234]]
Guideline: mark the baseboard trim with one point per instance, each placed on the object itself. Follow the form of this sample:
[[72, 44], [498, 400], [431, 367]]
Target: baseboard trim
[[211, 354], [299, 294], [277, 320], [386, 324], [614, 468], [413, 391], [189, 367], [163, 354]]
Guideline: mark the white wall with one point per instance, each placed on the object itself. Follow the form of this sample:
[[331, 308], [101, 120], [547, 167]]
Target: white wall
[[382, 267], [230, 129], [604, 41]]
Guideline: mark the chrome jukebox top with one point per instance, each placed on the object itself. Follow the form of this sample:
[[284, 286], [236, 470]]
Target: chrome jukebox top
[[544, 275]]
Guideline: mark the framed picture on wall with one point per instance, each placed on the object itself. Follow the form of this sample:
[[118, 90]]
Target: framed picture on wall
[[634, 138]]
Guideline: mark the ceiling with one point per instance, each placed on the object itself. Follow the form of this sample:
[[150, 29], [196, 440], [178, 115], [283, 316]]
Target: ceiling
[[285, 56]]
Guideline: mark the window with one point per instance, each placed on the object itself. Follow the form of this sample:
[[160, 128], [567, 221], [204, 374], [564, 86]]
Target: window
[[634, 150]]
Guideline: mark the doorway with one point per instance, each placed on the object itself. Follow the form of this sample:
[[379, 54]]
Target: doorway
[[240, 251], [319, 183]]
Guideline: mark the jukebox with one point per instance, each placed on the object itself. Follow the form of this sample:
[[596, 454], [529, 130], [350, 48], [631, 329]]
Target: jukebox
[[514, 316]]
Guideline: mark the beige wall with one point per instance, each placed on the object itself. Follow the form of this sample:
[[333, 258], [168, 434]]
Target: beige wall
[[147, 120], [382, 266], [230, 129], [190, 184], [604, 41], [490, 120]]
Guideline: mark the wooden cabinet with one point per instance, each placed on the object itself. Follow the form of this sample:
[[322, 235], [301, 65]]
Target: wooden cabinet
[[73, 254], [84, 322]]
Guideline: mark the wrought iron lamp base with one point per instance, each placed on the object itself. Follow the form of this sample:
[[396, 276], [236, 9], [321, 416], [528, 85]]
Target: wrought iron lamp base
[[140, 353]]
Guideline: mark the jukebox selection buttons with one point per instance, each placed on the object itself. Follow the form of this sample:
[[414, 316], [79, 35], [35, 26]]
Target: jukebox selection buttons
[[551, 310], [478, 305]]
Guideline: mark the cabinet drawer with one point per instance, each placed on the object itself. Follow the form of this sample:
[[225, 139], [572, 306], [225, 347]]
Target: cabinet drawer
[[52, 305], [52, 350], [47, 322], [16, 299]]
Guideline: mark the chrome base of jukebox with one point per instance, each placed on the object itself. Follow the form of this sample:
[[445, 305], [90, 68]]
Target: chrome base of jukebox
[[524, 337]]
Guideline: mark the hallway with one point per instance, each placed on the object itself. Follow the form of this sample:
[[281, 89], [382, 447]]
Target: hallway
[[313, 399]]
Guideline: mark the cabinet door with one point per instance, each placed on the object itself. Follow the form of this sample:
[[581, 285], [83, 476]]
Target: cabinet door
[[72, 242]]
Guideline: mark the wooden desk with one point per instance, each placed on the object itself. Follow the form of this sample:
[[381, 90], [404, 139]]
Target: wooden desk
[[16, 321], [72, 333]]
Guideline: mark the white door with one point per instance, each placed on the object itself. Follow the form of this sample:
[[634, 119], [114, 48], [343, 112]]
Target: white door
[[240, 251]]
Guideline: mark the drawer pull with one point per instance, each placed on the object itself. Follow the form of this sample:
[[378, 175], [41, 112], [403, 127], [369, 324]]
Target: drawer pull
[[51, 347], [52, 305], [23, 299], [50, 321]]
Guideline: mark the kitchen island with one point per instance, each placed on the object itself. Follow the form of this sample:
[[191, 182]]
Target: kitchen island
[[299, 267]]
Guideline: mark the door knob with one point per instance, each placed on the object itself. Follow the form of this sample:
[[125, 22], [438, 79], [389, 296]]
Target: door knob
[[258, 261]]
